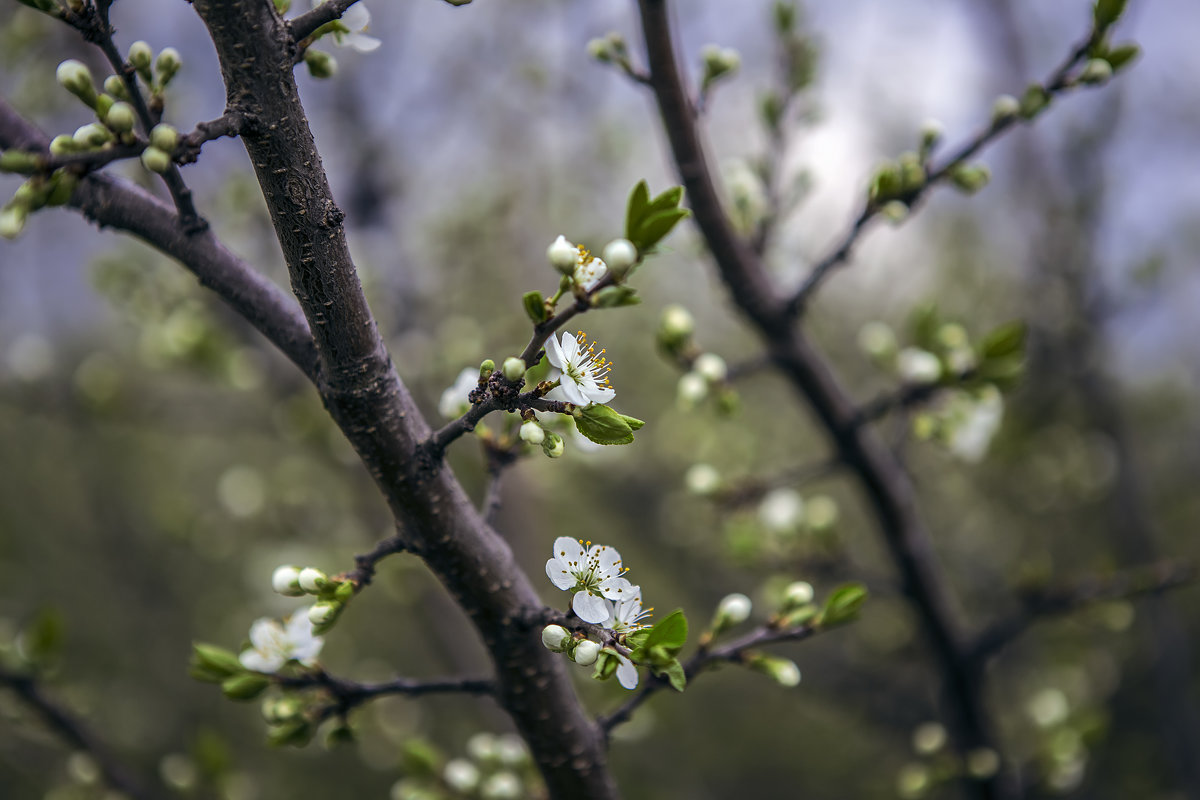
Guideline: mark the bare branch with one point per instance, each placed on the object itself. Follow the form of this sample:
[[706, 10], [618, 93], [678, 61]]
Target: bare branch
[[309, 22], [347, 695]]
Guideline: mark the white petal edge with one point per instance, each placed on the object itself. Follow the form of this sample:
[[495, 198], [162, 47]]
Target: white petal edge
[[590, 607]]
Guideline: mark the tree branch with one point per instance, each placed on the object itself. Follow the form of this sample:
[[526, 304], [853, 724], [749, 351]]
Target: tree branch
[[348, 695], [75, 733], [309, 22]]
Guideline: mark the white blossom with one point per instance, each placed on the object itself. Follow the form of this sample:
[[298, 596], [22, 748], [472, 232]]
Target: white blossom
[[626, 614], [781, 510], [455, 401], [357, 18], [593, 574], [973, 433], [273, 645], [915, 365], [582, 372], [589, 270], [627, 674]]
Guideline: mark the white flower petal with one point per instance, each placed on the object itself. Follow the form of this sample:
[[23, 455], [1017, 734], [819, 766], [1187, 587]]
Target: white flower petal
[[362, 43], [357, 17], [265, 634], [558, 574], [590, 607], [616, 588], [572, 393], [627, 674], [254, 660], [607, 558], [554, 353], [569, 550]]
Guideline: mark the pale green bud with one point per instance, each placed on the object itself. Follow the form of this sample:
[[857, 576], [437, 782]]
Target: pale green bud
[[563, 255], [913, 781], [312, 580], [320, 64], [76, 78], [167, 64], [620, 255], [718, 61], [894, 211], [692, 388], [532, 432], [513, 369], [286, 581], [164, 137], [92, 135], [482, 748], [553, 445], [1096, 72], [62, 145], [781, 670], [599, 50], [711, 367], [702, 479], [821, 512], [1034, 101], [586, 653], [877, 340], [675, 327], [486, 368], [932, 134], [929, 738], [971, 178], [155, 160], [1005, 108], [983, 763], [322, 612], [116, 87], [19, 161], [461, 775], [502, 785], [121, 118], [12, 220], [797, 594], [734, 609], [912, 174], [140, 56], [555, 638], [103, 103]]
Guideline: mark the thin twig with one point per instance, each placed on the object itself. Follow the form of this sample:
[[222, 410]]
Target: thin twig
[[347, 695], [75, 733], [309, 22]]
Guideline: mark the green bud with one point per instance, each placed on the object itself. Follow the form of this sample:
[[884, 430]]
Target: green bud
[[246, 686], [555, 638], [675, 327], [894, 211], [76, 78], [115, 86], [1034, 101], [513, 369], [932, 134], [797, 594], [121, 118], [1121, 56], [785, 16], [886, 183], [155, 160], [970, 178], [12, 220], [286, 581], [215, 661], [19, 161], [1096, 72], [553, 445], [1107, 12], [296, 733], [167, 65], [61, 186], [770, 109], [103, 103], [781, 670], [283, 6], [320, 64], [164, 137], [734, 609], [1005, 108], [323, 613], [140, 56], [912, 174], [598, 49], [718, 62], [92, 135]]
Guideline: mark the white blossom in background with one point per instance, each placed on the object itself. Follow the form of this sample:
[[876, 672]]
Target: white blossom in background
[[594, 575], [272, 645], [980, 419], [455, 401], [357, 18], [915, 365], [581, 371], [781, 510]]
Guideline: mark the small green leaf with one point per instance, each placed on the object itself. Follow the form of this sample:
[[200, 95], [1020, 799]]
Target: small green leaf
[[296, 733], [245, 686], [1121, 55], [674, 673], [655, 227], [637, 638], [633, 422], [603, 425], [665, 201], [1004, 341], [670, 634], [1106, 12], [213, 664], [843, 604], [639, 199], [535, 307], [615, 297]]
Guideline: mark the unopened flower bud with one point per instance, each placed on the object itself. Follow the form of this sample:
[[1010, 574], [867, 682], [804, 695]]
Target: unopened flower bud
[[140, 56], [320, 64], [781, 670], [486, 368], [168, 63], [821, 512], [620, 255], [702, 479], [894, 211], [12, 220], [323, 612], [312, 580], [598, 49], [691, 390], [553, 445], [586, 653], [532, 432], [92, 135], [62, 145], [155, 160], [915, 365], [877, 340], [563, 256], [164, 137], [797, 594], [286, 581], [718, 61], [931, 134], [116, 87], [482, 748], [970, 178], [929, 738], [675, 327], [711, 367], [513, 369], [734, 609], [1096, 72], [461, 775], [555, 638], [121, 118], [983, 763], [76, 78], [1005, 108], [103, 103], [503, 785]]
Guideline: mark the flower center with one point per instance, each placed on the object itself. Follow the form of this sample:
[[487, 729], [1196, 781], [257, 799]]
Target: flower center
[[588, 363]]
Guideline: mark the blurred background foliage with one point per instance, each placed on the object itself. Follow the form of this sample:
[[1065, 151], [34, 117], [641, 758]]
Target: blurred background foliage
[[159, 460]]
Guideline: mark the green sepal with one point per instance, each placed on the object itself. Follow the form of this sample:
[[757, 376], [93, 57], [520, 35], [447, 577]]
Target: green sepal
[[1120, 56], [246, 686], [343, 591], [606, 665], [636, 639], [213, 664], [842, 605], [633, 422], [1006, 340], [535, 307], [296, 733], [673, 672], [1106, 12], [602, 425], [615, 297]]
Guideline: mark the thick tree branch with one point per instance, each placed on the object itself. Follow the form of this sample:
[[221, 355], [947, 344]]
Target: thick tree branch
[[370, 404], [883, 480], [75, 733], [117, 203]]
